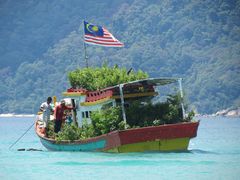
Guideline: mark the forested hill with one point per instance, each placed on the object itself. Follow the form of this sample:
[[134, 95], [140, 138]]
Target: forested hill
[[41, 41]]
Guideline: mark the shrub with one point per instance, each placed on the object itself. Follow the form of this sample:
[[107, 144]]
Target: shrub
[[150, 114], [98, 78], [107, 120], [138, 115], [68, 132]]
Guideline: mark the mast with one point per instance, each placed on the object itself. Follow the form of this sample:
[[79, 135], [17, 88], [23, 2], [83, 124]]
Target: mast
[[122, 104], [74, 113], [85, 54], [181, 94]]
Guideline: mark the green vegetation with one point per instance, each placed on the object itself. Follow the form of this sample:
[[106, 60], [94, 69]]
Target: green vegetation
[[107, 120], [149, 114], [68, 132], [140, 112], [98, 78], [110, 119], [103, 122], [196, 40]]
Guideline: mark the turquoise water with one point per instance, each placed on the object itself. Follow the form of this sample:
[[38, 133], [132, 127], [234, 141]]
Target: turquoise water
[[214, 154]]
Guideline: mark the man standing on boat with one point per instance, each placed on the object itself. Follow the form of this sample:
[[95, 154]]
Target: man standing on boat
[[46, 109], [58, 115]]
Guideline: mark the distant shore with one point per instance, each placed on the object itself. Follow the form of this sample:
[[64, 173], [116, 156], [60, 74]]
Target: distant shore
[[17, 115], [225, 113]]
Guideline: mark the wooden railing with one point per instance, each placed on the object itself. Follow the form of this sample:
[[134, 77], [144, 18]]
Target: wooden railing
[[98, 95], [77, 90]]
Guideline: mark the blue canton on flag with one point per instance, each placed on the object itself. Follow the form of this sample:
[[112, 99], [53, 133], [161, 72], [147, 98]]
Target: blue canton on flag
[[98, 35]]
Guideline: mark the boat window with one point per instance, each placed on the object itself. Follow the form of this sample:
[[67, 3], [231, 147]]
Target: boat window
[[87, 114]]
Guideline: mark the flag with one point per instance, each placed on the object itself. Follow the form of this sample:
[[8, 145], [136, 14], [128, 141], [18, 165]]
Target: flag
[[98, 35]]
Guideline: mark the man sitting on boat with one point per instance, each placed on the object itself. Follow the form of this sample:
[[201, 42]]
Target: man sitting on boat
[[59, 115]]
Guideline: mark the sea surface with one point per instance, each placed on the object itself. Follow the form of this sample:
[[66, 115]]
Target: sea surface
[[213, 154]]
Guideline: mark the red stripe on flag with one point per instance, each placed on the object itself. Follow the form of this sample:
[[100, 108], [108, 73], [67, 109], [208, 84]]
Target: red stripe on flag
[[106, 40], [113, 44], [102, 37]]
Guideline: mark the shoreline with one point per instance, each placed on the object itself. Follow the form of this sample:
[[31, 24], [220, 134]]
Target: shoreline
[[17, 115], [223, 113], [214, 115], [197, 115]]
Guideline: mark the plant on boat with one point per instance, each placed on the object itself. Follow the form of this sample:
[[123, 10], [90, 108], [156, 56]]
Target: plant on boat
[[97, 78], [190, 116], [103, 122], [87, 130], [107, 120], [68, 132], [50, 130], [139, 115], [148, 114]]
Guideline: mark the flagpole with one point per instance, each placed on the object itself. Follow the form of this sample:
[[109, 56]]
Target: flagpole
[[85, 54], [85, 47]]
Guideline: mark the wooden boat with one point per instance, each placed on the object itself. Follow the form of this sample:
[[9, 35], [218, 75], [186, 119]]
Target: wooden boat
[[167, 137], [171, 137]]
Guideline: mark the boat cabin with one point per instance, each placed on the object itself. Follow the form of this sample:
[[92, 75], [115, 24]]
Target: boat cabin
[[88, 101]]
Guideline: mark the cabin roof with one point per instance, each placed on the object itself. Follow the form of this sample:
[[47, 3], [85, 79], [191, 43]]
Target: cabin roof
[[144, 82], [149, 81]]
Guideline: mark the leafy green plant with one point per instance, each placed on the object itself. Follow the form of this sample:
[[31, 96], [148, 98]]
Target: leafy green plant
[[107, 120], [190, 116], [98, 78], [50, 130], [138, 115], [157, 122], [149, 114], [68, 132], [87, 130]]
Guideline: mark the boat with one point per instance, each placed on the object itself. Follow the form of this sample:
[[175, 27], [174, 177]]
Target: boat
[[172, 137], [160, 138]]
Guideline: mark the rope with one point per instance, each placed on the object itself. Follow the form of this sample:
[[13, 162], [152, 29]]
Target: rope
[[21, 136]]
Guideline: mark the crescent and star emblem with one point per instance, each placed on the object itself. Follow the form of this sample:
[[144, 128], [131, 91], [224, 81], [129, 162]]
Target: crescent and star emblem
[[91, 28]]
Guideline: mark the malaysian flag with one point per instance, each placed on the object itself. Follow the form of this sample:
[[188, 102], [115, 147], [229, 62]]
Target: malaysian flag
[[98, 35]]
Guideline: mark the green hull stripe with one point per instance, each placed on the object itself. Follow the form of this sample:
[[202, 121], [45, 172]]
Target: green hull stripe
[[179, 144]]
